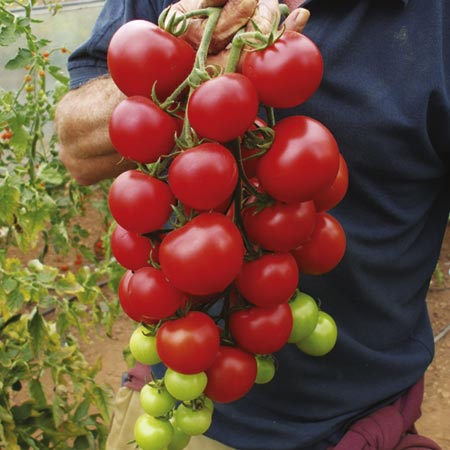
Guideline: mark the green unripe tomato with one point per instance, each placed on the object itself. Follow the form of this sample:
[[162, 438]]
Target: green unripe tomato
[[305, 313], [143, 346], [193, 421], [265, 369], [156, 401], [180, 439], [323, 338], [185, 387], [151, 433]]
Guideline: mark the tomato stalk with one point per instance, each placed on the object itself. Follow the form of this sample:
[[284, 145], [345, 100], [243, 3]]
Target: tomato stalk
[[238, 200]]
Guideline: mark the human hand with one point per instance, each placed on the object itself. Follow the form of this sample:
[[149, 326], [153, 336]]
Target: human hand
[[235, 16]]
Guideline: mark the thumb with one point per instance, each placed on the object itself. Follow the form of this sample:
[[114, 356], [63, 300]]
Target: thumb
[[297, 20]]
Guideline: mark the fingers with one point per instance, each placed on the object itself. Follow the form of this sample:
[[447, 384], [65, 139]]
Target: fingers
[[267, 13], [297, 20], [235, 15]]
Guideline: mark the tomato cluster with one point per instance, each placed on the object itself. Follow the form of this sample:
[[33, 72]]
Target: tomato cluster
[[219, 219]]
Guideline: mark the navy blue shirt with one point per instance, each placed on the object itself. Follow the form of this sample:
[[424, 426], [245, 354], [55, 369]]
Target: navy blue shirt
[[386, 98]]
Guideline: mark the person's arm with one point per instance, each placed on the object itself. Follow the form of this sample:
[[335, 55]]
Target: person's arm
[[81, 120], [82, 115]]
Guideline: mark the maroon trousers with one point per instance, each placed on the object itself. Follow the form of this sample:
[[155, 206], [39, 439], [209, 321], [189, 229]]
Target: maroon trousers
[[391, 427]]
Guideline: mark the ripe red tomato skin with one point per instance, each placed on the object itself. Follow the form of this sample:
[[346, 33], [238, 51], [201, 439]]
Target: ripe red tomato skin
[[198, 264], [152, 295], [262, 330], [269, 280], [141, 53], [223, 108], [326, 248], [139, 202], [235, 364], [132, 250], [127, 306], [280, 227], [190, 344], [286, 73], [203, 177], [141, 131], [336, 192], [302, 162]]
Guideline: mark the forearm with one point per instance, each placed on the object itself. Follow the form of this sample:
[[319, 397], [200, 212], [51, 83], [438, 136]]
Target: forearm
[[81, 120]]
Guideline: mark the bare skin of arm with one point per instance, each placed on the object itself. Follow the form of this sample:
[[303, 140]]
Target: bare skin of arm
[[82, 115], [81, 121]]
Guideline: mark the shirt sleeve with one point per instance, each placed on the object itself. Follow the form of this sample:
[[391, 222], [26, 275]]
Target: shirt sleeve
[[88, 61]]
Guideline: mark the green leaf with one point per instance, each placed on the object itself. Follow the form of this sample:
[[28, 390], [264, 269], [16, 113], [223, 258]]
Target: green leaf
[[9, 199], [8, 34], [50, 175], [68, 285], [15, 300], [102, 401], [82, 411], [58, 410], [38, 331], [22, 59], [37, 393], [57, 74]]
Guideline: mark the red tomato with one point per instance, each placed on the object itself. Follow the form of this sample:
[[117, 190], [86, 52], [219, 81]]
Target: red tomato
[[132, 250], [223, 108], [203, 177], [139, 202], [140, 54], [280, 227], [231, 376], [262, 330], [204, 256], [325, 249], [141, 131], [124, 298], [336, 192], [152, 296], [190, 344], [269, 280], [302, 162], [286, 73]]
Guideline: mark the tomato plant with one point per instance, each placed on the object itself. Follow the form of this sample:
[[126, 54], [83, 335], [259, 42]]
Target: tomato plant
[[142, 56], [143, 346], [305, 313], [203, 177], [268, 280], [231, 363], [279, 226], [132, 250], [189, 344], [139, 202], [151, 296], [197, 264], [156, 400], [193, 421], [185, 387], [262, 330], [152, 433], [325, 249], [302, 162], [140, 130], [322, 339], [286, 73], [265, 369], [336, 192], [223, 108]]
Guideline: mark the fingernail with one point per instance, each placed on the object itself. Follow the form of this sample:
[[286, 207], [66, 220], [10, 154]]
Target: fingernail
[[302, 17]]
